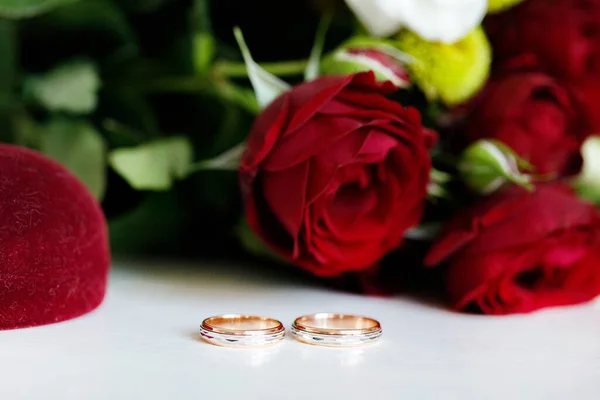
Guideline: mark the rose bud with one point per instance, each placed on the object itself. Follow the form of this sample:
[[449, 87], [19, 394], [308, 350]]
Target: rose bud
[[452, 73], [535, 116], [587, 182], [486, 165], [361, 55], [563, 35], [518, 251], [334, 173]]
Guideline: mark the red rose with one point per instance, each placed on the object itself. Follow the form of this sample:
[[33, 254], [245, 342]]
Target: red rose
[[564, 35], [517, 252], [334, 173], [533, 114]]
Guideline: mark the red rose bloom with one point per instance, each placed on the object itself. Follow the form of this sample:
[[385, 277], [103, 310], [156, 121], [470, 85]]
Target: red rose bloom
[[516, 252], [334, 173], [564, 35], [534, 115]]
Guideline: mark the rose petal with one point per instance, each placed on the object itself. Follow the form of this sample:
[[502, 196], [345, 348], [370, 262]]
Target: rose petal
[[318, 134], [285, 193], [265, 133], [305, 107]]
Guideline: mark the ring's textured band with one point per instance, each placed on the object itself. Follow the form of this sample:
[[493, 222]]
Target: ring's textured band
[[337, 330], [234, 330]]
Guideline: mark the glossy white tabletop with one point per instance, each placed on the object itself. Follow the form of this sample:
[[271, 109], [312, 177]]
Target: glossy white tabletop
[[142, 343]]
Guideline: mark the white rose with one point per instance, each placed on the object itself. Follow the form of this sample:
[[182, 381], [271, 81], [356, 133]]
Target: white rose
[[444, 21]]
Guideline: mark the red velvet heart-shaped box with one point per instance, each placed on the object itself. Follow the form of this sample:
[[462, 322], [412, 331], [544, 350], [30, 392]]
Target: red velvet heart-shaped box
[[54, 254]]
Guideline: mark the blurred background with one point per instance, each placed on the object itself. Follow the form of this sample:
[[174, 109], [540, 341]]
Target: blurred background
[[104, 85]]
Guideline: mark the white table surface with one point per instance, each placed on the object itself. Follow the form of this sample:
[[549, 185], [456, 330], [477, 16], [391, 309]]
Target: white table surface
[[142, 343]]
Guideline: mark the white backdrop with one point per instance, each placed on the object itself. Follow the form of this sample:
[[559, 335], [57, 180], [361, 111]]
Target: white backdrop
[[143, 343]]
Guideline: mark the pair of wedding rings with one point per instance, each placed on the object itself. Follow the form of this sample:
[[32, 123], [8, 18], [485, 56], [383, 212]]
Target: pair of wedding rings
[[323, 329]]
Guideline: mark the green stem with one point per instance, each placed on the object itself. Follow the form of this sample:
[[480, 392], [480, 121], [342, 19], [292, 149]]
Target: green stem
[[281, 68], [216, 87]]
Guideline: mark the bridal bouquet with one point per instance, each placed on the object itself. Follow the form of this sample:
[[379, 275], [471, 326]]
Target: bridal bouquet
[[383, 143]]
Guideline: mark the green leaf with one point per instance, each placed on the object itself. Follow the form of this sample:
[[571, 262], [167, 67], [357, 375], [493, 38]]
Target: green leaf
[[80, 148], [228, 161], [29, 8], [314, 61], [155, 165], [70, 87], [267, 87]]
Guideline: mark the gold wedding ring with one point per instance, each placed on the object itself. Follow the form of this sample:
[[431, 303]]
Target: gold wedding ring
[[336, 330], [234, 330]]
